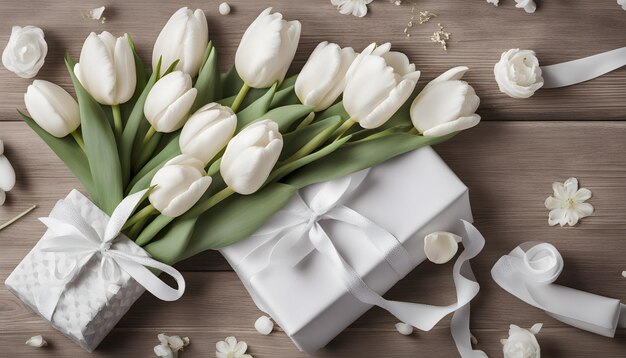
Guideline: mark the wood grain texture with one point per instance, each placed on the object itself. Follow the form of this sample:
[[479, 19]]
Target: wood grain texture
[[508, 164]]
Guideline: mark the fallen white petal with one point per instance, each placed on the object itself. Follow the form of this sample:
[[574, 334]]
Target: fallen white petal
[[163, 351], [440, 247], [623, 273], [96, 13], [224, 8], [404, 328], [264, 325], [36, 341]]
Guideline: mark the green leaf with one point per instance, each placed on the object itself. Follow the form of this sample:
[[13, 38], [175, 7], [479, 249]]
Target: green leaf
[[144, 176], [68, 151], [288, 82], [148, 149], [140, 84], [153, 229], [175, 240], [353, 157], [253, 95], [231, 82], [101, 148], [256, 110], [236, 218], [285, 97], [133, 126], [207, 84], [334, 110], [286, 116], [297, 139]]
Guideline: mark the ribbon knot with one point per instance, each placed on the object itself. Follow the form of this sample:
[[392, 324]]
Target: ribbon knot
[[69, 233]]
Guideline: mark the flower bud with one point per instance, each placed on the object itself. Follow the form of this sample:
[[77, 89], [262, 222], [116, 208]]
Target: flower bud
[[54, 110], [208, 131], [169, 102]]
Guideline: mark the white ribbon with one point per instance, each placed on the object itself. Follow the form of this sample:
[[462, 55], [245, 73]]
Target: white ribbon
[[68, 232], [296, 232], [584, 69], [528, 273]]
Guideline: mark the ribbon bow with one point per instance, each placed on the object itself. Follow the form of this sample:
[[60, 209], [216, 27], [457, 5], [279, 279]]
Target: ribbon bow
[[528, 273], [68, 232], [295, 232]]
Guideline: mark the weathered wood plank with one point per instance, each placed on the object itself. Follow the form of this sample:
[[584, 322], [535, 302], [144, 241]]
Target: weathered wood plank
[[480, 32]]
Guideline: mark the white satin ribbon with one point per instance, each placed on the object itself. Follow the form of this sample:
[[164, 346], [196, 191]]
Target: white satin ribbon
[[584, 69], [296, 232], [528, 273], [68, 232]]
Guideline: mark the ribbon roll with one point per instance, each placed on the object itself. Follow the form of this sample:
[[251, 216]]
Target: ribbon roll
[[295, 232], [584, 69], [529, 272], [70, 233]]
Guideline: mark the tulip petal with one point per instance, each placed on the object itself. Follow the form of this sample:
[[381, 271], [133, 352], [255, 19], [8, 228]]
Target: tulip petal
[[382, 112], [183, 202], [97, 74], [7, 174], [368, 87], [194, 43], [126, 76], [440, 103], [170, 37], [452, 74], [457, 125], [174, 116]]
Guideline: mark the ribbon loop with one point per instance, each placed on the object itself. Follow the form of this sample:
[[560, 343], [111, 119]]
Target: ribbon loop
[[528, 273], [70, 233]]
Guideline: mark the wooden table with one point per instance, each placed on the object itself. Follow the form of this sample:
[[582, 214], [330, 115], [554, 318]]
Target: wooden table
[[509, 162]]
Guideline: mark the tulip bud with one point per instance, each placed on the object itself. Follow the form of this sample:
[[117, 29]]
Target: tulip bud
[[179, 185], [184, 37], [445, 105], [7, 174], [250, 156], [267, 49], [107, 68], [208, 131], [169, 102], [52, 108], [379, 81], [323, 77]]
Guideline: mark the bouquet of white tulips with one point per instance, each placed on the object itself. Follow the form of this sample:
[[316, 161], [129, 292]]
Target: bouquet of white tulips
[[222, 152]]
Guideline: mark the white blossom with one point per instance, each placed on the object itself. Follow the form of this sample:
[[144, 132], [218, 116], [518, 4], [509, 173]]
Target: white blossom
[[230, 348], [622, 3], [36, 341], [522, 343], [567, 205], [528, 5], [355, 7], [170, 345]]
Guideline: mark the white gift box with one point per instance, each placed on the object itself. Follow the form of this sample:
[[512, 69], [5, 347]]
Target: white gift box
[[409, 196], [82, 276]]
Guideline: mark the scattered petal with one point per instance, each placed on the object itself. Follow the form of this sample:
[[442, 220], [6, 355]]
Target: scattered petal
[[36, 341], [521, 342], [357, 8], [623, 273], [264, 325], [404, 328], [567, 205], [96, 14], [163, 351], [230, 348], [440, 247], [170, 345], [224, 8]]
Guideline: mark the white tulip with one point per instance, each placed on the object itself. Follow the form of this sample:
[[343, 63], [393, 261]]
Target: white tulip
[[208, 131], [250, 156], [323, 77], [518, 73], [26, 51], [379, 81], [169, 102], [267, 49], [440, 247], [7, 174], [107, 68], [55, 110], [445, 105], [179, 184], [184, 37]]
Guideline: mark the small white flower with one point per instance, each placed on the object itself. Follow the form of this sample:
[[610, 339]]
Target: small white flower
[[440, 247], [622, 3], [623, 273], [567, 206], [170, 345], [26, 51], [36, 341], [224, 8], [522, 343], [404, 328], [528, 5], [494, 2], [355, 7], [264, 325], [163, 351], [230, 348]]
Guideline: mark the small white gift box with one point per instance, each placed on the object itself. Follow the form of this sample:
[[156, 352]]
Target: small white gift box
[[82, 276], [309, 285]]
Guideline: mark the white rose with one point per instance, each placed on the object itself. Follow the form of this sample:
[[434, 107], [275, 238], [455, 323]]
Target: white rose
[[518, 73], [26, 51], [522, 342]]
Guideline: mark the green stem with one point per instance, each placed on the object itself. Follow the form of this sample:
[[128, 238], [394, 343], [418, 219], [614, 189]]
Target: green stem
[[117, 120], [306, 121], [210, 202], [79, 139], [312, 145], [240, 97], [413, 131], [344, 128], [148, 136], [136, 229], [8, 223], [143, 213]]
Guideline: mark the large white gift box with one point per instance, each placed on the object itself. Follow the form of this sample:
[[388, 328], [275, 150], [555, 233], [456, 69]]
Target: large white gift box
[[82, 276], [292, 280]]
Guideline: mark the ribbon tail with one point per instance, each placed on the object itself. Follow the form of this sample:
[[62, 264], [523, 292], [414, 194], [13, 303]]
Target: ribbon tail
[[121, 213], [136, 267], [584, 69]]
